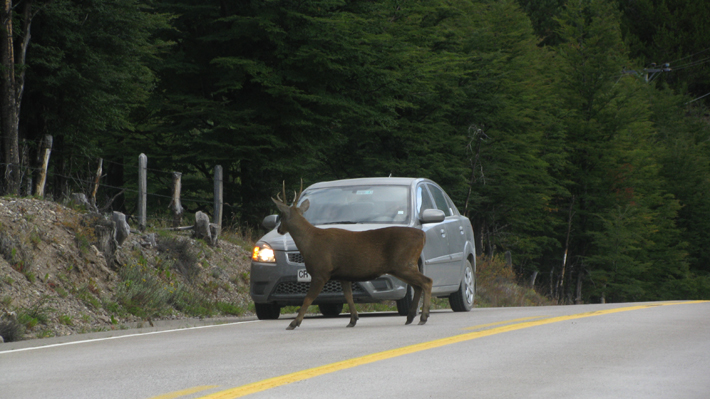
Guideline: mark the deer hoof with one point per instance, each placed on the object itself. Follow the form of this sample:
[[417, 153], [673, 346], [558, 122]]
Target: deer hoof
[[353, 321], [409, 320], [293, 325], [422, 322]]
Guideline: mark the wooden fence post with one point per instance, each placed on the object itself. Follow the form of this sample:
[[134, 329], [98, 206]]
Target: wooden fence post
[[46, 149], [218, 195], [175, 204], [142, 190]]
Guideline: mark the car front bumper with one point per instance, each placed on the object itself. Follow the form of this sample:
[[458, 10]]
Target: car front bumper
[[277, 283]]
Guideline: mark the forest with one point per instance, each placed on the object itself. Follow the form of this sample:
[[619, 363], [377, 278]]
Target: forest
[[574, 134]]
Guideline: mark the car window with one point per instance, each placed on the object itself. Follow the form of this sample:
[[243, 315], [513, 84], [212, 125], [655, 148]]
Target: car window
[[423, 199], [358, 204], [440, 200]]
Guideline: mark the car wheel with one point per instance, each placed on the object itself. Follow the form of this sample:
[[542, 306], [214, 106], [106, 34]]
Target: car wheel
[[404, 303], [462, 300], [267, 311], [330, 309]]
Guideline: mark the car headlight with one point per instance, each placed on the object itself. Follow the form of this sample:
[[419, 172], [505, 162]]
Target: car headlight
[[263, 253]]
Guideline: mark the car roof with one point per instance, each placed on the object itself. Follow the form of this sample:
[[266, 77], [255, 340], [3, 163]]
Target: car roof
[[395, 181]]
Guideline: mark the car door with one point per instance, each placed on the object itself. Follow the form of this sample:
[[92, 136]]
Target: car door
[[436, 251], [455, 235]]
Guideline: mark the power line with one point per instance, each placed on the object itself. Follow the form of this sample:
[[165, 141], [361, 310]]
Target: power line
[[704, 95], [693, 63], [692, 55]]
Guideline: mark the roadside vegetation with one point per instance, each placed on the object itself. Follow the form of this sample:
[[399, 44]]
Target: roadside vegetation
[[57, 282], [46, 294]]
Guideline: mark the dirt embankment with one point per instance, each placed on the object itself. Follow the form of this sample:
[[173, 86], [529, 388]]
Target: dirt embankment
[[54, 279]]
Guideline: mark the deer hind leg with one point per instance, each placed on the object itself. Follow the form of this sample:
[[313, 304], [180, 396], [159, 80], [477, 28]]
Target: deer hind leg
[[313, 290], [420, 283], [414, 305], [426, 287], [348, 292]]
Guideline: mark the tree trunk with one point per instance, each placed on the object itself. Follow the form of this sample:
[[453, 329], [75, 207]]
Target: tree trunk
[[578, 297], [564, 259], [8, 104]]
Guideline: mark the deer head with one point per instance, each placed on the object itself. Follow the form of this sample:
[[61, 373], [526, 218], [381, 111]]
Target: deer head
[[290, 213]]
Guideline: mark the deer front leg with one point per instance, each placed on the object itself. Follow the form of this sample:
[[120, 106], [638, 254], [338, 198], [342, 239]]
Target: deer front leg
[[313, 290], [348, 292]]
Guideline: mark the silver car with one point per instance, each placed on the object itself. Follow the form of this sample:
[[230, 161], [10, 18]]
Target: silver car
[[278, 274]]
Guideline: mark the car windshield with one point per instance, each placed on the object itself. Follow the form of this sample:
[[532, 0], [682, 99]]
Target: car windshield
[[358, 204]]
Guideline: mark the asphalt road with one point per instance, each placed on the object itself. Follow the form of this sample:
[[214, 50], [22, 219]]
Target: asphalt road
[[636, 350]]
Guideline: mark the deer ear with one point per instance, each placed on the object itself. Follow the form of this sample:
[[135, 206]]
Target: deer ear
[[283, 208], [304, 206]]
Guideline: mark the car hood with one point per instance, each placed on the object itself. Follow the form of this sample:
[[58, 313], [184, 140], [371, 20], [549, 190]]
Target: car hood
[[284, 242]]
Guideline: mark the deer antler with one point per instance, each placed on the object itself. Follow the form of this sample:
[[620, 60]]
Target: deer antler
[[296, 197], [278, 196]]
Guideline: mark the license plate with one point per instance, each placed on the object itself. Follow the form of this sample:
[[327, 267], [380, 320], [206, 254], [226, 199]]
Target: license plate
[[303, 276]]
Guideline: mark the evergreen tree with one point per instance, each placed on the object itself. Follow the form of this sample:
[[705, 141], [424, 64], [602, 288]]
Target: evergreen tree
[[673, 32], [620, 202], [510, 95], [87, 70]]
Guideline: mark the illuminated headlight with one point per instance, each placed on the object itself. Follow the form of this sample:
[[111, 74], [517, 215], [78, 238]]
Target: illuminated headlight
[[263, 253]]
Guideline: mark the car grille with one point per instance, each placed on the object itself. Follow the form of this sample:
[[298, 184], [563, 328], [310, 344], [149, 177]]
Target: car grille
[[331, 287], [295, 257]]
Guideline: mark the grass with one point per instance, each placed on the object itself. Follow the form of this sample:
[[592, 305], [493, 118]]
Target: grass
[[66, 320], [11, 329], [27, 319], [18, 253], [148, 292], [497, 286], [178, 252]]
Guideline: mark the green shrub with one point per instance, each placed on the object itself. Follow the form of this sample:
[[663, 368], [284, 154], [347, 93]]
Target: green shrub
[[496, 286], [178, 251], [230, 309], [66, 320], [11, 330]]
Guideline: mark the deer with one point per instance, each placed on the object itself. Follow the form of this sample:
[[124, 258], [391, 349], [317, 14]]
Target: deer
[[349, 256]]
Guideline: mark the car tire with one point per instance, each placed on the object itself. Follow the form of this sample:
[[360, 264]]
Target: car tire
[[267, 311], [330, 309], [404, 303], [462, 299]]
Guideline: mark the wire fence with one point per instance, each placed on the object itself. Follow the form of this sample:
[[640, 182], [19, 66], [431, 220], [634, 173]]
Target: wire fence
[[84, 179]]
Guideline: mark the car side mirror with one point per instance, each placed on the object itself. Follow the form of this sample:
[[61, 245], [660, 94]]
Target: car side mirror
[[432, 216], [270, 222]]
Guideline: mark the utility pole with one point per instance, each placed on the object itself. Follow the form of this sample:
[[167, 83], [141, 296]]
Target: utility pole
[[653, 70]]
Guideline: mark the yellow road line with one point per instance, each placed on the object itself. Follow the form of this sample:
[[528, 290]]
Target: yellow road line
[[480, 326], [346, 364], [184, 392]]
